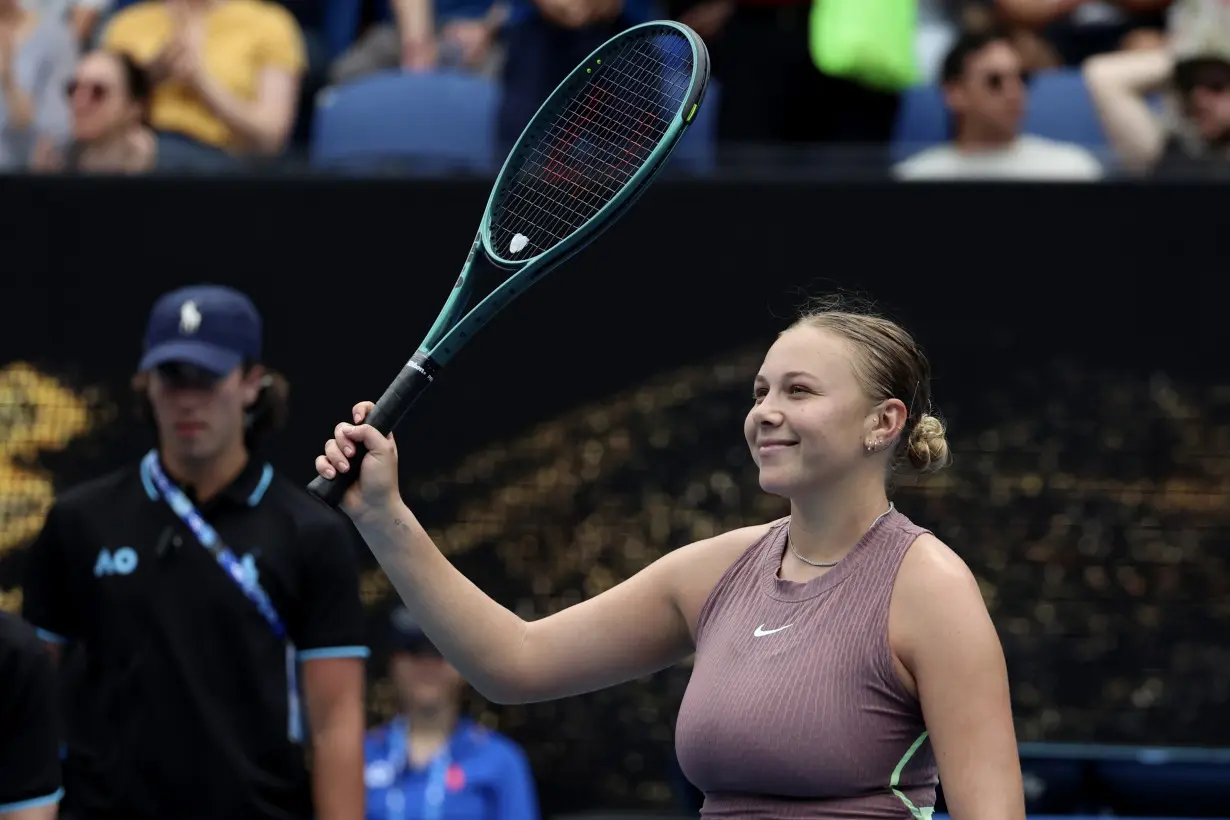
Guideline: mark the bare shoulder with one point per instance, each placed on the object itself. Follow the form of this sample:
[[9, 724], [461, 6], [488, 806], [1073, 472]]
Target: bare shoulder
[[936, 596], [696, 568], [931, 567]]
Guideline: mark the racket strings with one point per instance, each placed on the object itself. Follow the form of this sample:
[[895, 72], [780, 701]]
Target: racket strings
[[604, 130]]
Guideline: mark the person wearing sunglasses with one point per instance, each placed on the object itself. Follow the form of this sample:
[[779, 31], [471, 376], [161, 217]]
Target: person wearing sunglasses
[[217, 603], [986, 91], [1166, 111], [109, 95]]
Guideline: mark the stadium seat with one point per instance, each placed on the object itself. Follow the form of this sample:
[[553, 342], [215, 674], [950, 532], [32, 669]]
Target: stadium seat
[[1060, 109], [922, 121], [423, 123], [340, 25], [697, 151]]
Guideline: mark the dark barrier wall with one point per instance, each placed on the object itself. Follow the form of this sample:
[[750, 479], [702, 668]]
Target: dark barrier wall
[[1077, 335]]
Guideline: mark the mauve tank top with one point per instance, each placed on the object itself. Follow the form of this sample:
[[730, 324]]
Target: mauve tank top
[[794, 709]]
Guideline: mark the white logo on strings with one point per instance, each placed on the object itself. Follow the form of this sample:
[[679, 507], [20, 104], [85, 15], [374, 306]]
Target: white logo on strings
[[189, 318], [518, 243]]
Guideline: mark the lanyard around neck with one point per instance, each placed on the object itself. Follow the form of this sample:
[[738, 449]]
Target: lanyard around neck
[[437, 777], [208, 538]]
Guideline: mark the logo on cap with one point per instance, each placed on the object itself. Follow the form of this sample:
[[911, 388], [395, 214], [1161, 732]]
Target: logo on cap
[[189, 318]]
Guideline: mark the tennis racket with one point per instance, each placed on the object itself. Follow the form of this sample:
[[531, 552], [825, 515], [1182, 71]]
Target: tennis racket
[[591, 149]]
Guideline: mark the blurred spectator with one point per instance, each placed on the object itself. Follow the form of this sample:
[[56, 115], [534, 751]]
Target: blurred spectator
[[428, 35], [983, 17], [1078, 29], [1190, 130], [772, 90], [110, 97], [939, 23], [546, 39], [431, 762], [985, 89], [226, 76], [82, 16], [37, 54]]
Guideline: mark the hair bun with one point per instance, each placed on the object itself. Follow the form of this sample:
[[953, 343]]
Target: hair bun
[[928, 448]]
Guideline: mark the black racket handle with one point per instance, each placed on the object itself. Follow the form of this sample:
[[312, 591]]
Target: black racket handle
[[410, 383]]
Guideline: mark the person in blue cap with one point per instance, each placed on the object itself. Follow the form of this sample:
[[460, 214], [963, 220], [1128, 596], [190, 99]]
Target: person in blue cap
[[216, 604], [430, 762]]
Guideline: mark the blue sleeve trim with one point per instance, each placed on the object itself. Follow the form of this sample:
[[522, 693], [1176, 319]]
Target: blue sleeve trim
[[259, 492], [334, 652], [49, 636], [146, 482], [55, 797]]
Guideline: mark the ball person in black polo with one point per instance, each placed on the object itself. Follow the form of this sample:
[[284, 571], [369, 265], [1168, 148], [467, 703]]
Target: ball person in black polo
[[217, 602]]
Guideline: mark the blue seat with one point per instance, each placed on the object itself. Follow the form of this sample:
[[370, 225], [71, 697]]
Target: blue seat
[[922, 121], [1060, 109], [340, 25], [697, 151], [423, 123]]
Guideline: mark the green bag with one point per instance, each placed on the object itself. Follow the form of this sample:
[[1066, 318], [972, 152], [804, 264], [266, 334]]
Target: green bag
[[867, 41]]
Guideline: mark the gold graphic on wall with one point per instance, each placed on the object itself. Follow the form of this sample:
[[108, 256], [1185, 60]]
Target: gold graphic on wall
[[38, 414]]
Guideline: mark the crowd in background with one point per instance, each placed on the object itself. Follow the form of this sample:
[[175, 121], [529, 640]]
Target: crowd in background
[[118, 85]]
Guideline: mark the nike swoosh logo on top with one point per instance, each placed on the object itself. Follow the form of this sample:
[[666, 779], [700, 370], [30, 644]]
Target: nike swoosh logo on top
[[761, 631]]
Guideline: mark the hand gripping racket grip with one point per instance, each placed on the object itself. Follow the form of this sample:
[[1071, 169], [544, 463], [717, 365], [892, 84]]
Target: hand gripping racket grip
[[410, 383]]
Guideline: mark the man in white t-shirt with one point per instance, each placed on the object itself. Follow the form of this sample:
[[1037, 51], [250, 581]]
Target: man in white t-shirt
[[985, 91]]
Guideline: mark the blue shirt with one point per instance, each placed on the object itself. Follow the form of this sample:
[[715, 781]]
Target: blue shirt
[[479, 775]]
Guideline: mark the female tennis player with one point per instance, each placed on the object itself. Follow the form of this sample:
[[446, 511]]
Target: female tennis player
[[844, 659]]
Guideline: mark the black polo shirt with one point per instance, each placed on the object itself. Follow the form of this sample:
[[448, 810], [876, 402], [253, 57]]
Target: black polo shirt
[[184, 707], [29, 739]]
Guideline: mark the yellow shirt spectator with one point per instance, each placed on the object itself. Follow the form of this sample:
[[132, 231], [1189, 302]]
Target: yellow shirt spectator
[[217, 94]]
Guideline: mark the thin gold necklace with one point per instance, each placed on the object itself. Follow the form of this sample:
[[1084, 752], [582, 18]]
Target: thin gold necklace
[[823, 564]]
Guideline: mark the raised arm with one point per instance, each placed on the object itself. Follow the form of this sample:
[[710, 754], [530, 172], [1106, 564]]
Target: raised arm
[[631, 630], [1119, 83]]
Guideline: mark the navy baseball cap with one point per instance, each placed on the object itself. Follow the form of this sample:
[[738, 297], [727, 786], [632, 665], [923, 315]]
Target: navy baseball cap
[[406, 636], [212, 327]]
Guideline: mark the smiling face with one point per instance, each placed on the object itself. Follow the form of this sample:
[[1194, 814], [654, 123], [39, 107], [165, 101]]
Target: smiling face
[[836, 399], [810, 417]]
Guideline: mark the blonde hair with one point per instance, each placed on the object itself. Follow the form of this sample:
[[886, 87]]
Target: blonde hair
[[889, 364]]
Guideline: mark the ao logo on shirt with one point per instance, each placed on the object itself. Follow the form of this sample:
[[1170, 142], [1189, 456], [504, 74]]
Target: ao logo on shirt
[[124, 560], [121, 562]]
